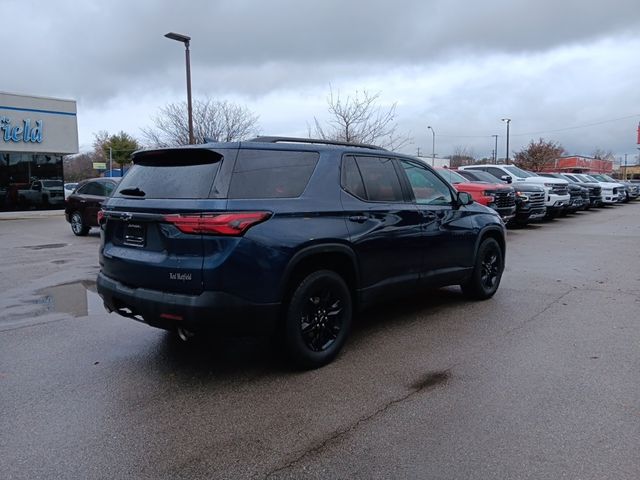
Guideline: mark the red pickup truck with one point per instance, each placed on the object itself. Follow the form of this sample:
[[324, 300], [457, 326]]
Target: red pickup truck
[[498, 196]]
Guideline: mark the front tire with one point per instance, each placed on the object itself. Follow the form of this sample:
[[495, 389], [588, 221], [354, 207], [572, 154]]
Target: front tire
[[487, 271], [77, 225], [318, 319]]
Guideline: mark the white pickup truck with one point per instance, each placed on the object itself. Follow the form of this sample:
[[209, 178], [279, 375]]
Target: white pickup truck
[[557, 191], [43, 192]]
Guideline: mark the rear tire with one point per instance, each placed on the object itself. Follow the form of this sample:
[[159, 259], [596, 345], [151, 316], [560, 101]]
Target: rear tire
[[77, 225], [318, 319], [487, 272]]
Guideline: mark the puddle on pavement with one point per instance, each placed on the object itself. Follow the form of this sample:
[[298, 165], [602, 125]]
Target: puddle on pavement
[[48, 245], [78, 299]]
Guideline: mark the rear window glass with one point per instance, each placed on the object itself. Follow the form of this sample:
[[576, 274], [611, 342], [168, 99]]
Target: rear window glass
[[271, 173], [171, 174]]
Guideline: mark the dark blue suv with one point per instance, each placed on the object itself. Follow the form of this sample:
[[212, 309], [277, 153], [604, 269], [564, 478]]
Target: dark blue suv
[[288, 236]]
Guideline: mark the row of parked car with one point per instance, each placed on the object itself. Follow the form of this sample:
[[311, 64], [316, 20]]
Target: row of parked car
[[520, 196]]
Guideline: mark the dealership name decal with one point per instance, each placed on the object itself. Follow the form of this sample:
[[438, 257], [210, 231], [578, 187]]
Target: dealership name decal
[[27, 132]]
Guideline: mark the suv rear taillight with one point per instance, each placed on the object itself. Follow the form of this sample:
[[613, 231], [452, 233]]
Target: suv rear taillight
[[232, 224]]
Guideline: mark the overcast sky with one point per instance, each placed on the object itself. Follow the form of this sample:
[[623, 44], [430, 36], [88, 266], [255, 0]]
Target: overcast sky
[[459, 66]]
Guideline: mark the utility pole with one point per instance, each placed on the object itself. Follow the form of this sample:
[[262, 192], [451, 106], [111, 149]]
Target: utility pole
[[110, 162], [495, 149], [625, 167], [433, 146], [506, 157]]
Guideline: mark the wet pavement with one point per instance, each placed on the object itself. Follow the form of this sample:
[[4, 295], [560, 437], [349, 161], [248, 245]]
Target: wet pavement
[[543, 381]]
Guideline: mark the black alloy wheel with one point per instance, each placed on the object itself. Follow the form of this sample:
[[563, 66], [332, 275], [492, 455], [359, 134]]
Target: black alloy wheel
[[77, 225], [318, 319], [487, 271]]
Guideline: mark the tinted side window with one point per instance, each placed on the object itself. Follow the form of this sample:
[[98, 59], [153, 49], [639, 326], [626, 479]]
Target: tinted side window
[[380, 179], [91, 188], [271, 173], [427, 188], [351, 178]]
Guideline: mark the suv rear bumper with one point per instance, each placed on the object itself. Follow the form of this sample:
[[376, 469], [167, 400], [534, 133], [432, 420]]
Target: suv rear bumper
[[218, 311]]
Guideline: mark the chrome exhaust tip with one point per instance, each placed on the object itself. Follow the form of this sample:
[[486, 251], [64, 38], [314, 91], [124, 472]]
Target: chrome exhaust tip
[[184, 334]]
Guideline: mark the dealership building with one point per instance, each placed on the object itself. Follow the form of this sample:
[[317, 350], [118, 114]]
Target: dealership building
[[35, 134]]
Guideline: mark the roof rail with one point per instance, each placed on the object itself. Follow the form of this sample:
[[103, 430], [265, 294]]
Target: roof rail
[[313, 140]]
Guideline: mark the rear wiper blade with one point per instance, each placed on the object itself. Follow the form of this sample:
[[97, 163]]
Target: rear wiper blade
[[135, 192]]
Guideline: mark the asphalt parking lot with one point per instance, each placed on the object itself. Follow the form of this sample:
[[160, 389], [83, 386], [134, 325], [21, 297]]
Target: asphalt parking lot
[[542, 381]]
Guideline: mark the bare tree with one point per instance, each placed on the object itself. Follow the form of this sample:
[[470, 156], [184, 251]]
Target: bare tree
[[217, 120], [359, 119], [602, 154], [462, 156], [538, 155], [80, 166]]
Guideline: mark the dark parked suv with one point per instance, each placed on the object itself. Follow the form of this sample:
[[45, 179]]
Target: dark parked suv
[[288, 236]]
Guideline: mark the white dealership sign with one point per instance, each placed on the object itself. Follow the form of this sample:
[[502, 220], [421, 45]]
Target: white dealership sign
[[37, 124]]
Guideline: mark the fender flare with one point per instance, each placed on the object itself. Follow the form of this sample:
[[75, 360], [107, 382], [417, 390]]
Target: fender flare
[[319, 249], [483, 233]]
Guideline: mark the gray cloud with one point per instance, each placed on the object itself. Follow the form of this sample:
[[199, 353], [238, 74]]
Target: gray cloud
[[95, 49], [458, 65]]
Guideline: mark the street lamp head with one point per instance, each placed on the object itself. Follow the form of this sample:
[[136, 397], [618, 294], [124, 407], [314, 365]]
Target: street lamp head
[[185, 39], [506, 120], [178, 37]]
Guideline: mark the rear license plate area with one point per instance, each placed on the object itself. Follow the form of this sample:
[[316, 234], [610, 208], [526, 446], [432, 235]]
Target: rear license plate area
[[134, 235]]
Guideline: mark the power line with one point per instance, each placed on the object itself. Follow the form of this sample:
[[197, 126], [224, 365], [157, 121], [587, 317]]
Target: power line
[[541, 132], [578, 126]]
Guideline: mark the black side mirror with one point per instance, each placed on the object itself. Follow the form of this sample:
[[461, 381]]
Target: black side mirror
[[37, 186], [506, 178], [464, 198]]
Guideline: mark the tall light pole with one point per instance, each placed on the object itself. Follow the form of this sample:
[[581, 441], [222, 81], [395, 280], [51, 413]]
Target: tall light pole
[[184, 39], [495, 149], [507, 121], [433, 146]]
